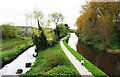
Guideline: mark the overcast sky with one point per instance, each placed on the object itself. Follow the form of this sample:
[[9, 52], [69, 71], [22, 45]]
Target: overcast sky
[[13, 11]]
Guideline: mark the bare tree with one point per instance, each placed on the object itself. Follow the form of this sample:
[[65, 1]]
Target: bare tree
[[56, 18], [38, 15]]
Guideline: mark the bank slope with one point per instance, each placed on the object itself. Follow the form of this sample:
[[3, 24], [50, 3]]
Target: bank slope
[[92, 68], [52, 61]]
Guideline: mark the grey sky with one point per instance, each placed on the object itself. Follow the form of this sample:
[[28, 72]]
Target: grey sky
[[13, 11]]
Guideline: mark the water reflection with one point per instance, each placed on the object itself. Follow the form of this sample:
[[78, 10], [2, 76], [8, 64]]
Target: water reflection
[[19, 63], [109, 63], [72, 42]]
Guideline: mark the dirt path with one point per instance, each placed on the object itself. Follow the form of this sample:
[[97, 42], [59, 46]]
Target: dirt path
[[81, 69]]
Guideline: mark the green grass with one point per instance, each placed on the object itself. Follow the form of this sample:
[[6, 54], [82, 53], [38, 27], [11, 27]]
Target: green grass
[[92, 68], [12, 47], [52, 61]]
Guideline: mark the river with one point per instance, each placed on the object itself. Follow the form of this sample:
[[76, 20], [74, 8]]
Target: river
[[19, 63], [107, 62]]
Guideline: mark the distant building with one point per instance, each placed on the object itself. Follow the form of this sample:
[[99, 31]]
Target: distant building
[[26, 30]]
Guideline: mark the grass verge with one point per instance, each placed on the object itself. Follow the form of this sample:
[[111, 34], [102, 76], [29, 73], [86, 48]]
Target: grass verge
[[52, 61], [92, 68]]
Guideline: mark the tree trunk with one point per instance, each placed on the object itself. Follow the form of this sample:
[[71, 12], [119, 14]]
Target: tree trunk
[[57, 31], [39, 25]]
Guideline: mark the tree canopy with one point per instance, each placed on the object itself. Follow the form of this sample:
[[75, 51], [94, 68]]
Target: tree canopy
[[38, 15], [99, 24], [57, 18]]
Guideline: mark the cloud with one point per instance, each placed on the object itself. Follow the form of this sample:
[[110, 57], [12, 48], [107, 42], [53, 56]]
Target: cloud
[[17, 9]]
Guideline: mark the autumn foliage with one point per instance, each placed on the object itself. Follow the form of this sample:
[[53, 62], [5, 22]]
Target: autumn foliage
[[99, 25]]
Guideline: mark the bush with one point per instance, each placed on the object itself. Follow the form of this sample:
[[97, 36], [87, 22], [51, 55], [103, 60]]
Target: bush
[[61, 70], [63, 30], [50, 35], [41, 67], [27, 65], [54, 59], [39, 40], [19, 71], [8, 31]]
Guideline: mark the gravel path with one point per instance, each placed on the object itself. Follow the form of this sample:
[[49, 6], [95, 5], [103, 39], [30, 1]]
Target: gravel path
[[81, 69]]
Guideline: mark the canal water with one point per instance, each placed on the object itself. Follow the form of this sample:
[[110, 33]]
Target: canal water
[[107, 62], [72, 41], [19, 63]]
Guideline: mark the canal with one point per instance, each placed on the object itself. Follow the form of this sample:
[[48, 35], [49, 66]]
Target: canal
[[19, 63], [107, 62]]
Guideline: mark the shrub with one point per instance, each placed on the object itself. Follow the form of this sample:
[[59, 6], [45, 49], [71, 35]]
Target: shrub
[[45, 67], [54, 59], [27, 65], [50, 35], [19, 71], [39, 40], [8, 31], [61, 70], [63, 30]]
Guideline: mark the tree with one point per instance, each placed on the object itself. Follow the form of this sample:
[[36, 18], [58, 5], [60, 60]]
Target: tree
[[50, 35], [56, 18], [39, 38], [63, 30], [48, 23], [99, 24], [38, 15]]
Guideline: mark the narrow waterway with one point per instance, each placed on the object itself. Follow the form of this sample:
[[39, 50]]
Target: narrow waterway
[[72, 41], [19, 63], [107, 62]]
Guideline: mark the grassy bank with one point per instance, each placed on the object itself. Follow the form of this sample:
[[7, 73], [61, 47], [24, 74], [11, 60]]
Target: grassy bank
[[52, 61], [12, 47], [100, 32], [92, 68], [113, 47]]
